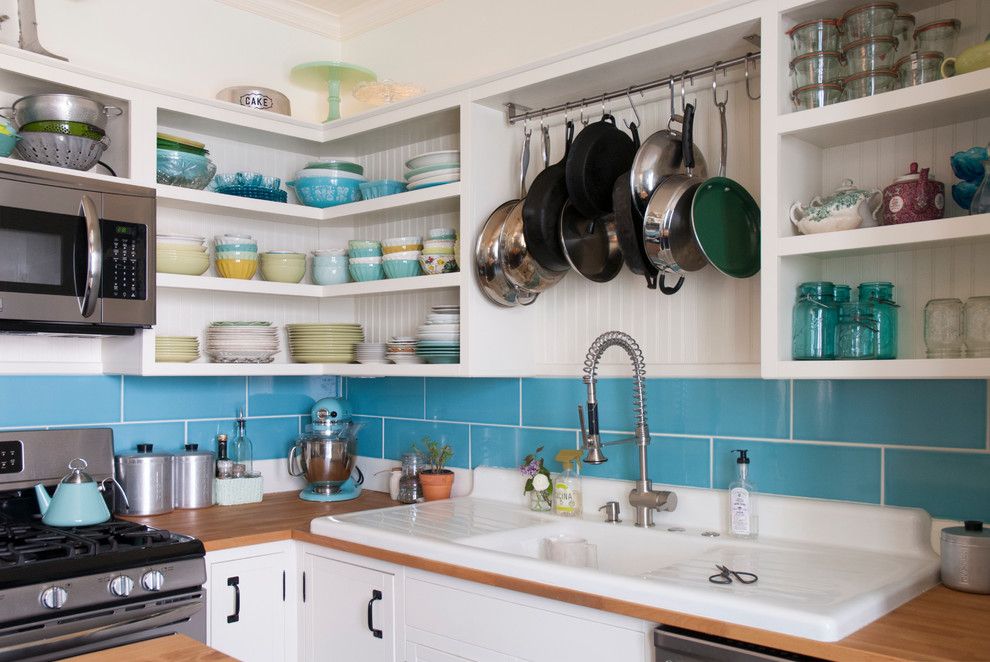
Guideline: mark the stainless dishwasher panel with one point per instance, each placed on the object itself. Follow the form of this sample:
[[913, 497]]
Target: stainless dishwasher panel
[[677, 645]]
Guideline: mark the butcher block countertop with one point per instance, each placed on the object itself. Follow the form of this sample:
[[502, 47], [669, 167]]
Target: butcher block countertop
[[939, 625], [173, 648]]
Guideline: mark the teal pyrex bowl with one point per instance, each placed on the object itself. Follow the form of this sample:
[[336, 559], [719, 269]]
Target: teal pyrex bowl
[[326, 192], [364, 272]]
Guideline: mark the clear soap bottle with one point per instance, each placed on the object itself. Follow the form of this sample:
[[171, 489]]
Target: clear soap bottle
[[743, 518], [567, 486]]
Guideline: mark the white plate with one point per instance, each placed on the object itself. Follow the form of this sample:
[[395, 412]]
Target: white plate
[[434, 158], [449, 173], [432, 182]]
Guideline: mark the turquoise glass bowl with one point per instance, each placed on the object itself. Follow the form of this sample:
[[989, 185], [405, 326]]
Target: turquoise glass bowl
[[326, 192], [183, 169], [365, 272], [228, 179], [8, 142], [380, 188], [401, 268]]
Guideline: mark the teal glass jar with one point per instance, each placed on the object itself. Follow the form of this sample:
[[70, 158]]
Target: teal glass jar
[[814, 321], [856, 336], [879, 297], [842, 295]]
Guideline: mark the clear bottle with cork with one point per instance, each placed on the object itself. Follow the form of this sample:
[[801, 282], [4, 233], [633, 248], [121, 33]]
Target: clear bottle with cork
[[743, 518], [224, 463], [242, 450], [567, 486]]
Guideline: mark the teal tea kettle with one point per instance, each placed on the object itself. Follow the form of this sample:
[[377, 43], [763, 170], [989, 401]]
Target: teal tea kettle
[[78, 499]]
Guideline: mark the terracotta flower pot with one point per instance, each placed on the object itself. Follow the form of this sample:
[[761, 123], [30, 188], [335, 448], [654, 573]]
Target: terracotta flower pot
[[436, 486]]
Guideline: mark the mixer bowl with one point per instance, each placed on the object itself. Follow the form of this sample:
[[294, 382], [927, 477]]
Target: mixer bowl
[[326, 462]]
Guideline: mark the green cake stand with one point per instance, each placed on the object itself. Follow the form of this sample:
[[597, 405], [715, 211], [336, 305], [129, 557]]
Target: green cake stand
[[333, 76]]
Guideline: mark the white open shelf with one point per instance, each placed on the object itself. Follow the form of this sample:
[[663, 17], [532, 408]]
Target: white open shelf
[[964, 368], [926, 234], [939, 103], [384, 286], [202, 369], [97, 174]]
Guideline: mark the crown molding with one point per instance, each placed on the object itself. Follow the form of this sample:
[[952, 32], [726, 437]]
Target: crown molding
[[368, 16]]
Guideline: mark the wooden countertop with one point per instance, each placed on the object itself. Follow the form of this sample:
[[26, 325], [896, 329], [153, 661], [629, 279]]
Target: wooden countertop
[[173, 648], [941, 624]]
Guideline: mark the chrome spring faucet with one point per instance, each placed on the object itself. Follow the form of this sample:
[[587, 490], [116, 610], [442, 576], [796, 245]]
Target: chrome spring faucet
[[643, 498]]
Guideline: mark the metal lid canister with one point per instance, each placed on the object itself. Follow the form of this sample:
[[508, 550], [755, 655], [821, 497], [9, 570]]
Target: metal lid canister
[[194, 474], [966, 557]]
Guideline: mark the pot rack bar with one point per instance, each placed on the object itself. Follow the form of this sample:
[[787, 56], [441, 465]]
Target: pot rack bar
[[517, 113]]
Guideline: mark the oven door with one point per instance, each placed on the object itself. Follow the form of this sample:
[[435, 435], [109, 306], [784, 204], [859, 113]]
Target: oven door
[[51, 254], [67, 635]]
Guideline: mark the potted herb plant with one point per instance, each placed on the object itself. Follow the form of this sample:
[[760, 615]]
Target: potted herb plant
[[437, 481], [538, 488]]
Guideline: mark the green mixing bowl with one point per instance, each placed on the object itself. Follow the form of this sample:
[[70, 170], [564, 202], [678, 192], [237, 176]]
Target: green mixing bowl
[[80, 129]]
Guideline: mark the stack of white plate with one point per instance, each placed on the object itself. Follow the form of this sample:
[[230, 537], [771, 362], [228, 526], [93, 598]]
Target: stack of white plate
[[433, 169], [439, 339], [402, 350], [324, 343], [242, 342], [370, 352], [176, 349]]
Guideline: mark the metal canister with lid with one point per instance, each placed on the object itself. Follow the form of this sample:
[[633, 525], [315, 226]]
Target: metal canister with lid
[[966, 557], [146, 478], [194, 471]]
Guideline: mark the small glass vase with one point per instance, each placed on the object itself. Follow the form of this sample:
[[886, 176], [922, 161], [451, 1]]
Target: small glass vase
[[540, 501]]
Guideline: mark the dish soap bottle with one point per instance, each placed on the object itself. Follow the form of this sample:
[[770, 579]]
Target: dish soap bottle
[[743, 520], [567, 486]]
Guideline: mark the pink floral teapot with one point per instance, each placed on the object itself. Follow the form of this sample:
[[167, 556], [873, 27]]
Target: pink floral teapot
[[913, 197]]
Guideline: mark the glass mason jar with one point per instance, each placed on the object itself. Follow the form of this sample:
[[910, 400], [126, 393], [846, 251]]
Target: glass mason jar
[[944, 328], [976, 326], [814, 321], [540, 500], [879, 295], [842, 294], [856, 336]]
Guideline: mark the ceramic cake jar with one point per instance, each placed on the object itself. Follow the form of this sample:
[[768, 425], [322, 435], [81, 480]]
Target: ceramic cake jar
[[913, 197]]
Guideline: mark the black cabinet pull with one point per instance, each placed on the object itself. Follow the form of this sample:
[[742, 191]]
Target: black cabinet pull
[[283, 586], [235, 582], [375, 595], [304, 587]]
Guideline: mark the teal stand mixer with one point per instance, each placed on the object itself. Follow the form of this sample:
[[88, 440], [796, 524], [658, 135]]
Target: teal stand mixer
[[326, 454]]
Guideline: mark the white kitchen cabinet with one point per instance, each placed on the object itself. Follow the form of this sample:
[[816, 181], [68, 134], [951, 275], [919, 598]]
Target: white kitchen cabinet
[[348, 611], [247, 599]]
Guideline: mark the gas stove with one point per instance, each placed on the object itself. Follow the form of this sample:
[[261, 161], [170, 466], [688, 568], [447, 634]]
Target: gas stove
[[66, 591]]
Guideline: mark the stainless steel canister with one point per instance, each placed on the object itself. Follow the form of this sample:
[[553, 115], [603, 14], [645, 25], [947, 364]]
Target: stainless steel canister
[[194, 473], [966, 557], [146, 478]]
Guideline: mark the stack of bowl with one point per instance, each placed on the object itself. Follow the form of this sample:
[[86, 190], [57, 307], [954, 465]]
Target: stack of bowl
[[183, 162], [433, 169], [370, 352], [438, 255], [402, 350], [364, 260], [182, 254], [283, 266], [401, 259], [65, 130], [817, 66], [329, 182], [870, 49], [236, 256], [932, 42], [330, 266]]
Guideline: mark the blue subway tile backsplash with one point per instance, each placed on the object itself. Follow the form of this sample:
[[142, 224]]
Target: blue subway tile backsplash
[[905, 443]]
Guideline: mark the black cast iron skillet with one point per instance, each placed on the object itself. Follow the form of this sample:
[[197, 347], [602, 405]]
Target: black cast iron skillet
[[541, 211], [600, 153]]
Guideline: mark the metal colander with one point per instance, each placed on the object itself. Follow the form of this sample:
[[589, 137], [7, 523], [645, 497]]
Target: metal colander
[[55, 149]]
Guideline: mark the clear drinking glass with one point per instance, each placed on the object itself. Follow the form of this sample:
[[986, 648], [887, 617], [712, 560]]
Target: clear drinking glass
[[944, 328], [976, 326]]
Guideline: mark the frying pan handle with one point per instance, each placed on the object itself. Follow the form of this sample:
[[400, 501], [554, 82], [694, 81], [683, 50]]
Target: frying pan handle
[[651, 280], [568, 137], [687, 138], [635, 134], [667, 289]]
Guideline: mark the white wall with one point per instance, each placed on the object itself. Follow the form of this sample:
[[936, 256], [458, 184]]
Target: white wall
[[456, 41], [196, 47]]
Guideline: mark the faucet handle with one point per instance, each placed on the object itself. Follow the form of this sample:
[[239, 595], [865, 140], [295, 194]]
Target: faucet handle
[[584, 429], [611, 509]]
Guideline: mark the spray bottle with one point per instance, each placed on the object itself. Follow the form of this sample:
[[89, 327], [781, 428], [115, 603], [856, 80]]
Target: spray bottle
[[567, 486]]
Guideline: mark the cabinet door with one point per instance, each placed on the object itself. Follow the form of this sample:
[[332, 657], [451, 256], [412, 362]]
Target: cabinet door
[[247, 608], [348, 612]]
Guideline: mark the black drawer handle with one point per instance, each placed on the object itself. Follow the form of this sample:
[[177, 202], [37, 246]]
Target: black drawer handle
[[235, 582], [375, 595]]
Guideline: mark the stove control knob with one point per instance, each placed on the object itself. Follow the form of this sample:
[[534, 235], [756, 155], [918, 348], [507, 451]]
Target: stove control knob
[[54, 597], [121, 586], [153, 580]]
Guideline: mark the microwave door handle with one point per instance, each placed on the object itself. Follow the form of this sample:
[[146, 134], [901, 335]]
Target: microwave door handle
[[94, 257]]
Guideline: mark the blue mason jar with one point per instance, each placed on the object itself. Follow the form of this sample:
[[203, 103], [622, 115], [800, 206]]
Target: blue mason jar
[[856, 337], [878, 296], [814, 322]]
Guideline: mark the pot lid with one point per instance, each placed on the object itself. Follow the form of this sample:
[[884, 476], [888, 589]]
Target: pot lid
[[144, 452], [192, 451], [912, 176], [971, 534], [77, 476]]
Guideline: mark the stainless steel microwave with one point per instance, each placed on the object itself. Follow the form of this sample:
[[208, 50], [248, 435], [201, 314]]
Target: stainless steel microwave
[[77, 255]]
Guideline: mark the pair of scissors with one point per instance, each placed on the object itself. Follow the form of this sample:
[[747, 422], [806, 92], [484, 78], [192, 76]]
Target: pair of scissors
[[725, 576]]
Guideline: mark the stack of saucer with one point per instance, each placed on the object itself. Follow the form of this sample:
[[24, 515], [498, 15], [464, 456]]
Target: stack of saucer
[[370, 352], [242, 342], [324, 343], [433, 169], [402, 349], [439, 339], [176, 349]]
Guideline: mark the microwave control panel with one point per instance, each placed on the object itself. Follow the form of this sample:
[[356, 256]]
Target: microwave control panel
[[125, 256]]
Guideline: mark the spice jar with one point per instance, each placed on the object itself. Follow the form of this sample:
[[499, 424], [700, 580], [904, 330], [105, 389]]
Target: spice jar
[[878, 297], [814, 321], [976, 326], [410, 490], [944, 328]]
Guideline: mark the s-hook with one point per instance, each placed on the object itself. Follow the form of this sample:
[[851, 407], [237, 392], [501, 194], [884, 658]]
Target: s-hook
[[684, 78], [545, 142], [638, 122], [746, 71], [715, 86], [604, 110], [581, 117]]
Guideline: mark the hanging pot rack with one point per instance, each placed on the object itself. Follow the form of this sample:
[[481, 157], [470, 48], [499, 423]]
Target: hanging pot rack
[[517, 113]]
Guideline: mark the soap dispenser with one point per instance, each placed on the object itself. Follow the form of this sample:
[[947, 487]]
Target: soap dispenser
[[567, 486], [743, 520]]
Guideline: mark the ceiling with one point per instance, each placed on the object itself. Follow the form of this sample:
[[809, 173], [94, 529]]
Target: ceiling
[[338, 19]]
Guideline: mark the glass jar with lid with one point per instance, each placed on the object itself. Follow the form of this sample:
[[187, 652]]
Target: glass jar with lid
[[856, 336], [814, 321], [879, 297], [976, 325], [944, 328], [410, 490]]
